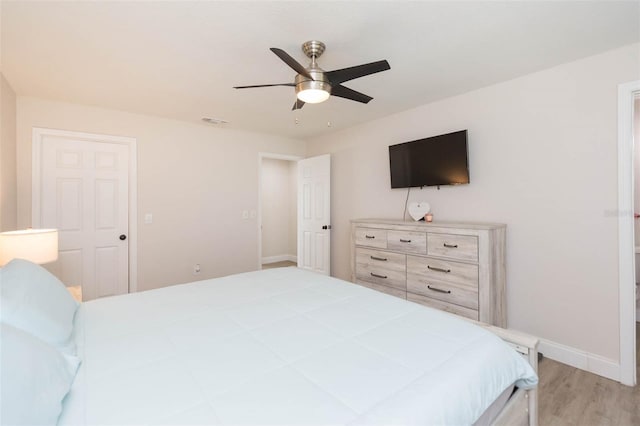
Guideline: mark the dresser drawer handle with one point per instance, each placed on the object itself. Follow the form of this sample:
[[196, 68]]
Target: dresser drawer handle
[[439, 290], [384, 259], [378, 276], [433, 268], [450, 245], [371, 237], [404, 241]]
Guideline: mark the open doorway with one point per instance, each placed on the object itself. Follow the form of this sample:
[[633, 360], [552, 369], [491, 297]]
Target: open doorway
[[278, 200]]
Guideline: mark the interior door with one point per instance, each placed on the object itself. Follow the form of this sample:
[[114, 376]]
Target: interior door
[[314, 214], [84, 194]]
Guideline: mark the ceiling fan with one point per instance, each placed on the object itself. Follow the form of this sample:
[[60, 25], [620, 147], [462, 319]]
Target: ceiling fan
[[314, 85]]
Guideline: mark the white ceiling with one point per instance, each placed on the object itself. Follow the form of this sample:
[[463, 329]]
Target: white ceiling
[[180, 59]]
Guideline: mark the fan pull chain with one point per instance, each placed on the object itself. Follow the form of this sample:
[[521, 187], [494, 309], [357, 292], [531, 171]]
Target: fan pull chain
[[296, 118]]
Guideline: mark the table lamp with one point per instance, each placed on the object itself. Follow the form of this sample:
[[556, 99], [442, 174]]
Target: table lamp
[[36, 245]]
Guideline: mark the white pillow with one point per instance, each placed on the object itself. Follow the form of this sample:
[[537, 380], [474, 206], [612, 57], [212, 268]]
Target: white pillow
[[34, 300], [35, 378]]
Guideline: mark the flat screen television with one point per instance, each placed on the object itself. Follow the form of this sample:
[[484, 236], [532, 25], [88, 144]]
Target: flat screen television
[[434, 161]]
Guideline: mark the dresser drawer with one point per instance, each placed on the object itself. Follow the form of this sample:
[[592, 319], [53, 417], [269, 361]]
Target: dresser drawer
[[428, 269], [444, 306], [371, 237], [371, 266], [463, 247], [453, 293], [381, 259], [407, 242], [384, 289]]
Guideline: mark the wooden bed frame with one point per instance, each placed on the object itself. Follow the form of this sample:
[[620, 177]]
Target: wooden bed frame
[[522, 408]]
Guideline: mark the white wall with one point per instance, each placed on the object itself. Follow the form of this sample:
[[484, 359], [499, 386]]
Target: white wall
[[278, 219], [195, 179], [8, 186], [542, 160]]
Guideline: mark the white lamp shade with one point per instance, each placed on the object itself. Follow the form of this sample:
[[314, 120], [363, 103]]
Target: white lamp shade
[[36, 245]]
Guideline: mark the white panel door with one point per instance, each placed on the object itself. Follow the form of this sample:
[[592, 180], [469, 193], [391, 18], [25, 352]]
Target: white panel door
[[84, 194], [314, 214]]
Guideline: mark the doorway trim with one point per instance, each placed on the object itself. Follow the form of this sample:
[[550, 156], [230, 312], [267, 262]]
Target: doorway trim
[[38, 135], [272, 156], [626, 244]]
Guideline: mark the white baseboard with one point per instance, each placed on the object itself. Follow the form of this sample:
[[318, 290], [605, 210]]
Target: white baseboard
[[280, 258], [592, 363]]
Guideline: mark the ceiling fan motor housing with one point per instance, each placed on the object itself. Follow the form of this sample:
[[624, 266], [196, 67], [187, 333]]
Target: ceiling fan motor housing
[[319, 82], [313, 49]]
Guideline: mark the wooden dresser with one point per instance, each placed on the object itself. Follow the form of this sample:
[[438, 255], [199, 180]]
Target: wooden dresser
[[456, 267]]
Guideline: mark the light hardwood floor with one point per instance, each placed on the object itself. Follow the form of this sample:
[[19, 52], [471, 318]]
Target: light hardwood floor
[[278, 264], [573, 397]]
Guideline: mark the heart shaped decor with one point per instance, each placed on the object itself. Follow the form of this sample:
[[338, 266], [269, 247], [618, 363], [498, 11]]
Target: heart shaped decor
[[418, 210]]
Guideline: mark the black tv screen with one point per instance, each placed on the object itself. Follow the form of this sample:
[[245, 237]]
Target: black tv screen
[[434, 161]]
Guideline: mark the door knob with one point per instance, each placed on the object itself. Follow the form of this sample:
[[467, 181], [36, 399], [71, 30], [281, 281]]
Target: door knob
[[123, 237]]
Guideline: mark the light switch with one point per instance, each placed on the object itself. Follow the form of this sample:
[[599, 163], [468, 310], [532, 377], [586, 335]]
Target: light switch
[[148, 218], [252, 213], [245, 214]]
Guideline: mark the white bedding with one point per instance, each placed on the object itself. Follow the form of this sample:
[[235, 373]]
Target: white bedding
[[282, 346]]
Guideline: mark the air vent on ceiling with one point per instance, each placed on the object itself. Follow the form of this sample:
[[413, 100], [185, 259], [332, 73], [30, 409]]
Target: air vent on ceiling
[[214, 120]]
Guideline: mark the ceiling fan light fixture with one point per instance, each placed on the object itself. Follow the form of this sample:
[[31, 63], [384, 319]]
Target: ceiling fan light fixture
[[313, 96], [312, 91]]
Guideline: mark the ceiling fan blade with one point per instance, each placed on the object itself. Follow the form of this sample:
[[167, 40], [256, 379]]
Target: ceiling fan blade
[[345, 74], [295, 65], [344, 92], [297, 105], [264, 85]]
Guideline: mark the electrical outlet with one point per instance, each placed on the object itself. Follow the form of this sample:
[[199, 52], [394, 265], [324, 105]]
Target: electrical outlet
[[196, 269]]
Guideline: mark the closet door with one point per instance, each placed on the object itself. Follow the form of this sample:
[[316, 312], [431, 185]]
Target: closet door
[[314, 214], [84, 193]]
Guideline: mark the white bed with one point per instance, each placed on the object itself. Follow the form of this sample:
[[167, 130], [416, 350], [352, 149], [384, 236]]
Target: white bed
[[283, 346]]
